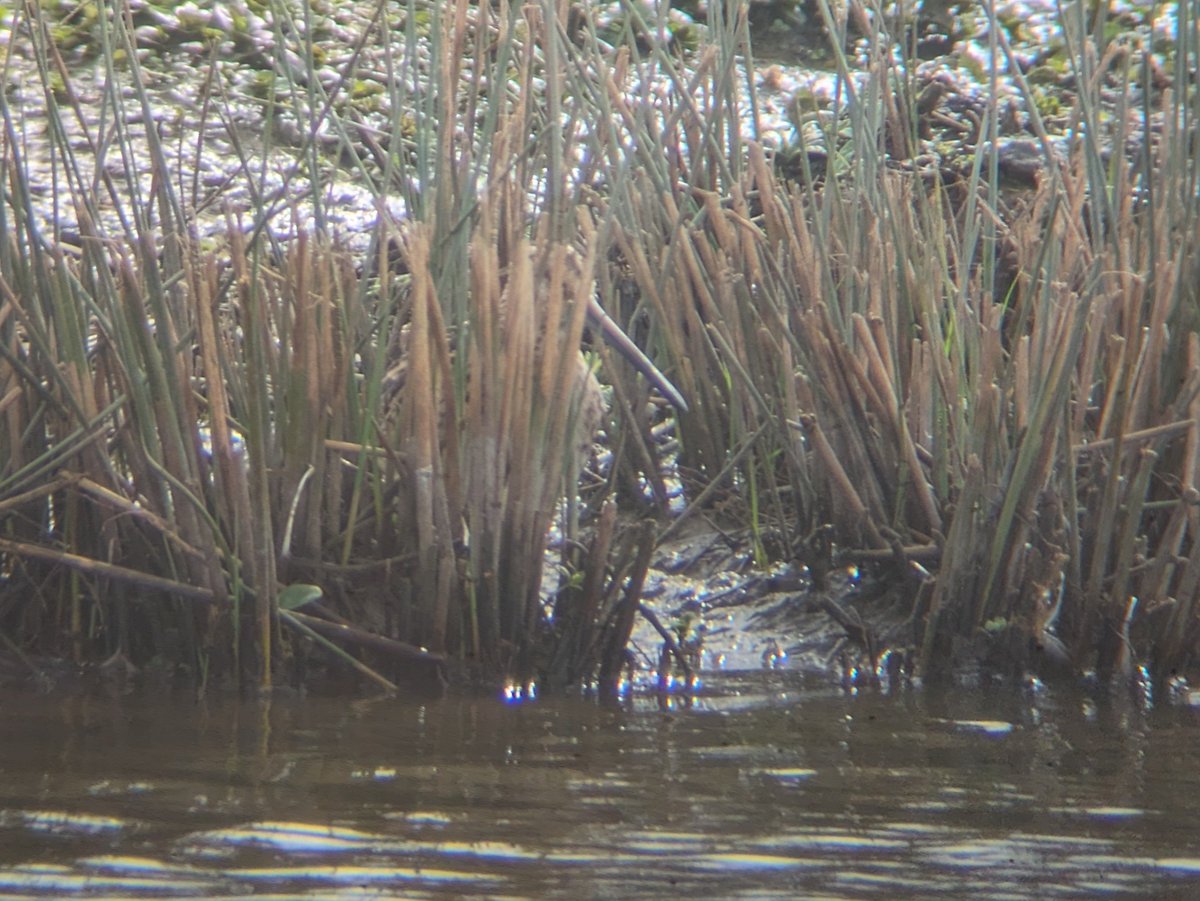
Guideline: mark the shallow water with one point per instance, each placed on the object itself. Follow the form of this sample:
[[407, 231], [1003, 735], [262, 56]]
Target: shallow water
[[770, 786]]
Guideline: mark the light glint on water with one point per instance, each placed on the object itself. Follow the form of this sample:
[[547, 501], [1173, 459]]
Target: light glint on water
[[519, 693]]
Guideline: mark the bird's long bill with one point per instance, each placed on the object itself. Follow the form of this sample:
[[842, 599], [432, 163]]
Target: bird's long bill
[[616, 337]]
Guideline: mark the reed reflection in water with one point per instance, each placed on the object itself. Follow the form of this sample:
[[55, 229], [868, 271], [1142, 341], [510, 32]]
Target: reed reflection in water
[[766, 787]]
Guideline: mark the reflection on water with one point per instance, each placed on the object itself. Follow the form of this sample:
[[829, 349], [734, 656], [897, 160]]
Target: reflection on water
[[769, 787]]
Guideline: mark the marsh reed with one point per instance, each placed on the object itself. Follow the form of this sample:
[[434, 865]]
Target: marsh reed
[[996, 392], [201, 443], [990, 399]]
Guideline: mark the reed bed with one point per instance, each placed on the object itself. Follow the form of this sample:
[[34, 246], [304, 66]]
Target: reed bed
[[222, 450], [212, 438], [1001, 403]]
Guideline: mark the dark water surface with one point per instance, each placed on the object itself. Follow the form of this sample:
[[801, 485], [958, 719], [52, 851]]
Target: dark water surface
[[769, 787]]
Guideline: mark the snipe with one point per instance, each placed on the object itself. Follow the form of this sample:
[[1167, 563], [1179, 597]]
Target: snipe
[[587, 394]]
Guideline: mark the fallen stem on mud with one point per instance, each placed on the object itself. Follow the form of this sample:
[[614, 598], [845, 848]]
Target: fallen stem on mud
[[364, 638], [108, 570], [669, 640], [293, 619]]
